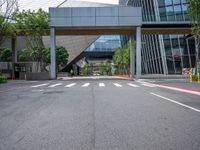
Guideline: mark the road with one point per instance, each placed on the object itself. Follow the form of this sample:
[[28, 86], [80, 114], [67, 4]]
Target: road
[[97, 114]]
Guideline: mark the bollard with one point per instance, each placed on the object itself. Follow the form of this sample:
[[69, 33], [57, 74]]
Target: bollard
[[198, 80], [190, 78]]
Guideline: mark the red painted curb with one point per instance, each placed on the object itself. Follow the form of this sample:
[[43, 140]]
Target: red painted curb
[[178, 88], [125, 77], [7, 90], [60, 78]]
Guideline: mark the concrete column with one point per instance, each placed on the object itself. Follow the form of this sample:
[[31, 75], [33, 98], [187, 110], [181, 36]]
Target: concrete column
[[53, 54], [132, 57], [138, 52], [14, 56]]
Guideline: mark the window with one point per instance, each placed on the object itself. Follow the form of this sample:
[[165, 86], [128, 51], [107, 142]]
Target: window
[[176, 2], [170, 65], [170, 13], [168, 2]]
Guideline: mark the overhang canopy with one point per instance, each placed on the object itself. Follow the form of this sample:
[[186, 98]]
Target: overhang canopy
[[95, 20]]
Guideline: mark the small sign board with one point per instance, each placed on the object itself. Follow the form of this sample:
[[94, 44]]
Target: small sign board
[[186, 71]]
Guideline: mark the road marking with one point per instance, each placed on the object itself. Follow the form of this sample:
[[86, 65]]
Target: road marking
[[70, 85], [173, 101], [37, 90], [117, 85], [133, 85], [54, 85], [86, 85], [101, 84], [39, 85], [148, 85], [174, 88], [180, 90]]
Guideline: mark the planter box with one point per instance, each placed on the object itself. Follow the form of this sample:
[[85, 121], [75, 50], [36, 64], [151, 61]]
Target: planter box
[[38, 76]]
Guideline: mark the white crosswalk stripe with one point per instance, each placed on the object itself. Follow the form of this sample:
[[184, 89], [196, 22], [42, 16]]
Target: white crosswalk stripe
[[101, 84], [117, 85], [133, 85], [86, 85], [149, 85], [70, 85], [54, 85], [39, 85]]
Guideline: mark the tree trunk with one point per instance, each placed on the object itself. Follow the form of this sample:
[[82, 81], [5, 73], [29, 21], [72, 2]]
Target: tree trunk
[[197, 53]]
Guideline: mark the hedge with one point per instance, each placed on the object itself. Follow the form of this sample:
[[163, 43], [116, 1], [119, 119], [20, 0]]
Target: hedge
[[3, 79]]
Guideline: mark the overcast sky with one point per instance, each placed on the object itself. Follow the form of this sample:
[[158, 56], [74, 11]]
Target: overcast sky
[[36, 4]]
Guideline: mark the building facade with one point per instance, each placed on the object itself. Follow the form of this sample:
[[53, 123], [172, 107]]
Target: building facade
[[165, 54]]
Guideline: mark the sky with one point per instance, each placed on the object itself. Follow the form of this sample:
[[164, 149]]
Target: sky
[[44, 4]]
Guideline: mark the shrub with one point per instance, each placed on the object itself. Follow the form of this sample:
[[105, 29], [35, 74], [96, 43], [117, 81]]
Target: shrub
[[3, 79], [194, 77]]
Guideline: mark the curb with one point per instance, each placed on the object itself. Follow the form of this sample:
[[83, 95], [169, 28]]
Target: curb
[[186, 90]]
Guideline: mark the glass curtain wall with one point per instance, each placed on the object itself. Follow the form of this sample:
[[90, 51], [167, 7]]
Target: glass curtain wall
[[105, 43], [177, 54], [165, 54]]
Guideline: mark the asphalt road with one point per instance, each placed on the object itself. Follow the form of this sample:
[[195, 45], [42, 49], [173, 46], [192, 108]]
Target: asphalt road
[[97, 115]]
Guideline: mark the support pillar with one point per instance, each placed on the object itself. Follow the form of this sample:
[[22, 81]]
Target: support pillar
[[138, 52], [53, 54], [14, 56], [132, 57]]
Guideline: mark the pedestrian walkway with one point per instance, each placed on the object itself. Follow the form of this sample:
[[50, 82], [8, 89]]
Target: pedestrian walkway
[[87, 84]]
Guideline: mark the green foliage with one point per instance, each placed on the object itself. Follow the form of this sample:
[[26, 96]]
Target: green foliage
[[5, 54], [121, 59], [105, 68], [4, 28], [33, 25], [8, 7], [86, 70], [38, 54], [7, 29], [61, 56], [194, 13], [3, 79], [194, 77], [24, 55]]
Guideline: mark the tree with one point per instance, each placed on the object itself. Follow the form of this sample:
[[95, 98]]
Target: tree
[[24, 55], [33, 25], [7, 8], [61, 56], [122, 60], [194, 13], [6, 55]]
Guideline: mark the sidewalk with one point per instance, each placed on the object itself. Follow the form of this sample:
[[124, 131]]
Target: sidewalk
[[92, 77]]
